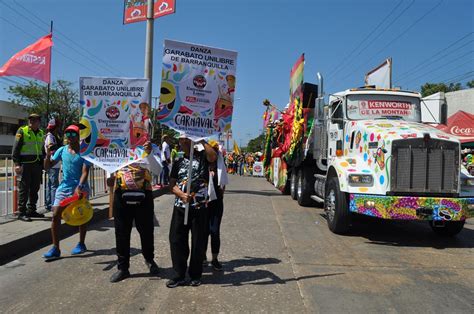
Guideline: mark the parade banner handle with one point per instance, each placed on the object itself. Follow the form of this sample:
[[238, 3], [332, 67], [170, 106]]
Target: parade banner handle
[[188, 184]]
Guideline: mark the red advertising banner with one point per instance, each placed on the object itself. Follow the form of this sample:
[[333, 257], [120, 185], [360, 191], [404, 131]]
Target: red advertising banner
[[34, 61], [135, 10]]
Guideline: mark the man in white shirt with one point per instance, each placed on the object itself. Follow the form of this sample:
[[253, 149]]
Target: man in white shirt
[[165, 160], [53, 142]]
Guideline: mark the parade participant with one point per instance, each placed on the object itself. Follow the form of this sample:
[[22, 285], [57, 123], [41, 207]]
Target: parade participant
[[219, 179], [197, 220], [53, 141], [133, 202], [27, 154], [165, 159], [74, 181]]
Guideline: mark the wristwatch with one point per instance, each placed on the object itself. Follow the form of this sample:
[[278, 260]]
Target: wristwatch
[[81, 186]]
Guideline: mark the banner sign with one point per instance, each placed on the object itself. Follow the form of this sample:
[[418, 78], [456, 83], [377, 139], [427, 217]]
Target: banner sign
[[258, 169], [114, 120], [381, 76], [386, 107], [197, 89], [135, 10]]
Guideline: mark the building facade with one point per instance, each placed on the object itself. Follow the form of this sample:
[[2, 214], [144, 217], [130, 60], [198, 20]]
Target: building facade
[[12, 116]]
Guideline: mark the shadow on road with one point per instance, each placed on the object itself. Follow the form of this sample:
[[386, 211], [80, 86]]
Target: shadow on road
[[407, 233], [261, 193], [232, 277]]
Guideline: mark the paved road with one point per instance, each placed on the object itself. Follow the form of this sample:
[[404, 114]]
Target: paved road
[[278, 257]]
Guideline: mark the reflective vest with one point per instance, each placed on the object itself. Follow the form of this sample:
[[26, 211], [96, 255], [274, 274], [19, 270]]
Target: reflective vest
[[32, 143]]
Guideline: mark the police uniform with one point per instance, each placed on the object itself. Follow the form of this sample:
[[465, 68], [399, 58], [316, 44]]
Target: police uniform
[[28, 152]]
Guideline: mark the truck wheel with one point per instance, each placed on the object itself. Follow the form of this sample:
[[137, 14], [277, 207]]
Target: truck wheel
[[336, 208], [305, 187], [450, 229], [293, 182]]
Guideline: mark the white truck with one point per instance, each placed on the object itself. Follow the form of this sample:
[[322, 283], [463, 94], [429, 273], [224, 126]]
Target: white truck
[[370, 154]]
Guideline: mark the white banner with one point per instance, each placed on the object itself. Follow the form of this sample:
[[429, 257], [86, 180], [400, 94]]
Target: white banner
[[114, 120], [381, 76], [197, 89], [276, 167], [258, 169]]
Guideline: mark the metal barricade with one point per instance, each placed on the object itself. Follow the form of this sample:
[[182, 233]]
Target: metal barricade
[[9, 192]]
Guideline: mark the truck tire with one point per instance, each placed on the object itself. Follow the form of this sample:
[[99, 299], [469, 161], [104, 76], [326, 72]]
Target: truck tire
[[336, 208], [450, 229], [305, 187], [293, 182]]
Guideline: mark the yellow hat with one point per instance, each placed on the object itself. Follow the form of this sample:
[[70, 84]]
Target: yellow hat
[[78, 212]]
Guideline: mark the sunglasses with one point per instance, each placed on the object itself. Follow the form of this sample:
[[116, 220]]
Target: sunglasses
[[71, 134]]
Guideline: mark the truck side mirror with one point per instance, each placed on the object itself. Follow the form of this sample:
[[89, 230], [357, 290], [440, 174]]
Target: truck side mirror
[[443, 117]]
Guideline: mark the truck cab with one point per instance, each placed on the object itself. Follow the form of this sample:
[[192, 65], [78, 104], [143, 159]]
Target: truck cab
[[380, 160]]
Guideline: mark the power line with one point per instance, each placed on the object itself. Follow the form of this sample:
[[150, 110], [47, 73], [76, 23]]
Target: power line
[[383, 31], [440, 67], [110, 68], [11, 81], [57, 38], [436, 54], [374, 29], [56, 50], [399, 36], [459, 78]]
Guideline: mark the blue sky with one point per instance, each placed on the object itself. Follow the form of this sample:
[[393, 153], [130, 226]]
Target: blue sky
[[340, 38]]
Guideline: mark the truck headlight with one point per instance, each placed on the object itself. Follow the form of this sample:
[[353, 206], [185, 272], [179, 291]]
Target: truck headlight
[[361, 179]]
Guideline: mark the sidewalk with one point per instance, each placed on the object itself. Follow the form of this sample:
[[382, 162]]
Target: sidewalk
[[18, 238]]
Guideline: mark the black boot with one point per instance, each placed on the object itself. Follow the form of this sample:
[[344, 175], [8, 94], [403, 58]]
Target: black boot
[[119, 275], [152, 267]]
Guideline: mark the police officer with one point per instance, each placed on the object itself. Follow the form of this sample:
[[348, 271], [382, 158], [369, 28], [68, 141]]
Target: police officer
[[28, 156]]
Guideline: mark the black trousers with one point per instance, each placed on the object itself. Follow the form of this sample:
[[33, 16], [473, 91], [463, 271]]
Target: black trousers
[[216, 210], [124, 215], [28, 187], [179, 241]]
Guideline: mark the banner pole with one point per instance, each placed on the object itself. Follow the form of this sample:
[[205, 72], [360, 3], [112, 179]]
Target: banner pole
[[149, 48], [188, 184], [49, 84]]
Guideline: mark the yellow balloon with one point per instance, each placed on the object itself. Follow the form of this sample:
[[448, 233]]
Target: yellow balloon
[[78, 212]]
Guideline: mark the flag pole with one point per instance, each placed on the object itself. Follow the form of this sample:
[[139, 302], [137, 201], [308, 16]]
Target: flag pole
[[49, 84]]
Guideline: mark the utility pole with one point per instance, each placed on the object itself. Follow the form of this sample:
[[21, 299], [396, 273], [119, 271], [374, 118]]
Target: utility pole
[[49, 84], [149, 47]]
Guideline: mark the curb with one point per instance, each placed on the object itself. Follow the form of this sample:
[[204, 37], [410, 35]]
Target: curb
[[32, 242]]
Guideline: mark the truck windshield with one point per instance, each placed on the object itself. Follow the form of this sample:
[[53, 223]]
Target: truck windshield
[[368, 107]]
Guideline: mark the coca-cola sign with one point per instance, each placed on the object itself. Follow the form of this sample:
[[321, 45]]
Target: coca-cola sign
[[462, 131]]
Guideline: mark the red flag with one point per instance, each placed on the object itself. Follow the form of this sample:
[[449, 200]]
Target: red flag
[[34, 61]]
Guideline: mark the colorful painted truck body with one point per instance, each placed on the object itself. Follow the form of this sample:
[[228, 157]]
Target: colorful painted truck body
[[371, 155]]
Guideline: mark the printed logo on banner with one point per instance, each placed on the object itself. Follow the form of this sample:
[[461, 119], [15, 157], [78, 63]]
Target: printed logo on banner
[[199, 81], [112, 113]]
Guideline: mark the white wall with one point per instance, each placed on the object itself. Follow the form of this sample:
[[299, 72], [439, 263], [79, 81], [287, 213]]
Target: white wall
[[460, 100]]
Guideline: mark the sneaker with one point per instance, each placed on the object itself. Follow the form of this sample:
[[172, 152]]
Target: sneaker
[[24, 218], [53, 253], [34, 214], [195, 282], [152, 267], [79, 249], [119, 275], [173, 283], [216, 265]]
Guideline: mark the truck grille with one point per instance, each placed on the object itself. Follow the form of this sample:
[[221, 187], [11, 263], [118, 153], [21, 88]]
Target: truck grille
[[428, 166]]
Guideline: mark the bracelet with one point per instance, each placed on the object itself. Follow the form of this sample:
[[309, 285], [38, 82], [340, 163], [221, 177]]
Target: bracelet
[[81, 186]]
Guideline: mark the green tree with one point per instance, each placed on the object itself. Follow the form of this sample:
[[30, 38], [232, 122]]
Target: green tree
[[470, 84], [256, 144], [432, 88], [64, 100]]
